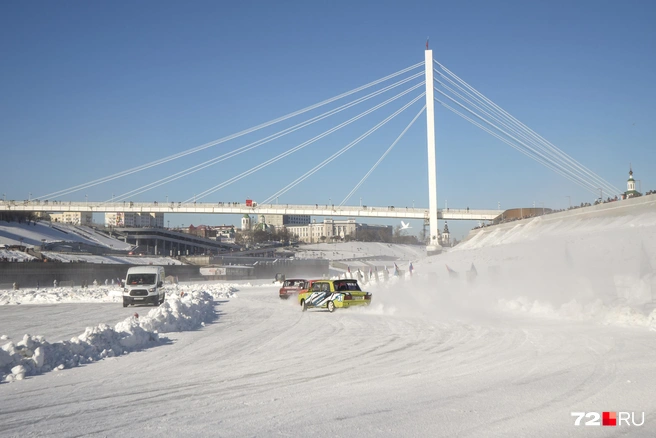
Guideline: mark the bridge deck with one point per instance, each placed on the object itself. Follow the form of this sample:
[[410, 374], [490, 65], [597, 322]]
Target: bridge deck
[[239, 208]]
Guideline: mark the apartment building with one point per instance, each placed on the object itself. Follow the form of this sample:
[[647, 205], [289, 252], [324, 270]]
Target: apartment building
[[72, 217], [134, 220]]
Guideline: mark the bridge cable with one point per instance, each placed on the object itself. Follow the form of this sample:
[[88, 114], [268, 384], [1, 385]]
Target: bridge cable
[[574, 169], [301, 146], [599, 180], [524, 127], [357, 186], [514, 146], [340, 152], [257, 143], [542, 159], [224, 139]]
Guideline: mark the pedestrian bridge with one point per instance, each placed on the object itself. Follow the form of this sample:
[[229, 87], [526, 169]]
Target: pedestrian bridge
[[241, 208]]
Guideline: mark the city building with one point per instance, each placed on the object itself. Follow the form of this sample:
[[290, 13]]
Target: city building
[[73, 217], [262, 225], [631, 191], [224, 232], [331, 229], [246, 223], [134, 220], [202, 231], [386, 231], [445, 237], [279, 220]]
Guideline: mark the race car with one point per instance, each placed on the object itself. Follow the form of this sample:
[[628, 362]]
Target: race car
[[308, 286], [330, 294], [292, 287]]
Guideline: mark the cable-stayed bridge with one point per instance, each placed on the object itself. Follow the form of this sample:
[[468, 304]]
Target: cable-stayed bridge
[[420, 89]]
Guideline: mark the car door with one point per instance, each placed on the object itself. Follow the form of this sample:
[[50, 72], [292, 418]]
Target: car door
[[320, 294]]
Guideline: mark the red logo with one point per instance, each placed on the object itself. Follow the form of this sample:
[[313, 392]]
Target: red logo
[[608, 419]]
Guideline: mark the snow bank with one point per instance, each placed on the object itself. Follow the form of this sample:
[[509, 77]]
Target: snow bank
[[33, 355], [102, 294], [110, 259]]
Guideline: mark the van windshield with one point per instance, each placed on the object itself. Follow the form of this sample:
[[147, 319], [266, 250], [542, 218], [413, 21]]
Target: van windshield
[[141, 279]]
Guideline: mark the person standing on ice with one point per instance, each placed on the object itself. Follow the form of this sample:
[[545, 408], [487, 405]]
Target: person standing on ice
[[54, 283]]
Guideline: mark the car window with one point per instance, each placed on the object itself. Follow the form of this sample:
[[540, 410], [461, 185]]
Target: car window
[[316, 287], [347, 286], [325, 287]]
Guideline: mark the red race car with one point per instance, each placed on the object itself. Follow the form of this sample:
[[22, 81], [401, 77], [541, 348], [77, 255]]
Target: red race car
[[291, 287]]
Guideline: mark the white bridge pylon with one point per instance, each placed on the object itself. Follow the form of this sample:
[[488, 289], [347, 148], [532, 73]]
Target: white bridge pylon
[[433, 244]]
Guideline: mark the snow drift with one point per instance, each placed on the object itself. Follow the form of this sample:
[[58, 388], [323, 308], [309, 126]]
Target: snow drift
[[189, 309]]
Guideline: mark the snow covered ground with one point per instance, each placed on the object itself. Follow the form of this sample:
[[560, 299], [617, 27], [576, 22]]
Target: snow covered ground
[[35, 234], [556, 319], [111, 259], [358, 250]]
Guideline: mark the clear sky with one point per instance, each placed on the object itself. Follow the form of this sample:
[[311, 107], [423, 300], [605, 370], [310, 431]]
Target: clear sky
[[89, 89]]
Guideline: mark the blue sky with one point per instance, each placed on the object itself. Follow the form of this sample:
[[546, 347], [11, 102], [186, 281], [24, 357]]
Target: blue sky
[[93, 88]]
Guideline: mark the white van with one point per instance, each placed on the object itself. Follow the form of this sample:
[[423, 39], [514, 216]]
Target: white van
[[144, 284]]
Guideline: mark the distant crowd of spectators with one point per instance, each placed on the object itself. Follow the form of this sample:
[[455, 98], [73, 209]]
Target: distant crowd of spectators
[[549, 211]]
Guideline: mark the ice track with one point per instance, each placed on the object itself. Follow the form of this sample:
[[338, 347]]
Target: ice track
[[264, 368]]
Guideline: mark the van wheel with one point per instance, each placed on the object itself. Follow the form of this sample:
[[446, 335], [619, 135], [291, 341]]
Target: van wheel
[[331, 306], [125, 303], [303, 306], [163, 298]]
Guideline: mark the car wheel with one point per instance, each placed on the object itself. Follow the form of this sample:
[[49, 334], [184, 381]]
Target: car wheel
[[303, 306], [331, 306]]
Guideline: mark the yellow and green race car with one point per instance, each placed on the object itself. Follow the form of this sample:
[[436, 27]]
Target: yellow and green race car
[[330, 294]]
